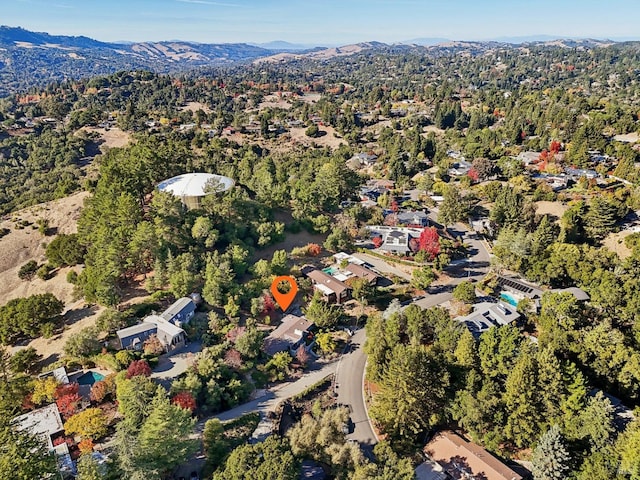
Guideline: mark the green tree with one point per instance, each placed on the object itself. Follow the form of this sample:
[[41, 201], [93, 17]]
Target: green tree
[[422, 277], [269, 460], [249, 344], [454, 208], [163, 442], [465, 292], [65, 250], [551, 458], [388, 466], [628, 446], [521, 399], [83, 344], [321, 313], [412, 393], [23, 456], [216, 445]]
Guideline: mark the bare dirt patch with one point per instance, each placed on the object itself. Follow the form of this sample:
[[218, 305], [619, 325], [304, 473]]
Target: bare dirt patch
[[615, 243], [111, 138], [329, 139], [555, 209], [274, 101], [22, 245], [195, 106]]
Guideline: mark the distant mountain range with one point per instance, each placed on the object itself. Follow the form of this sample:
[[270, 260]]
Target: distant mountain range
[[35, 58]]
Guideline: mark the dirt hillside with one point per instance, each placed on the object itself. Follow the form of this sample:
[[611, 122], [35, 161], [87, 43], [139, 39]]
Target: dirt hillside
[[24, 244]]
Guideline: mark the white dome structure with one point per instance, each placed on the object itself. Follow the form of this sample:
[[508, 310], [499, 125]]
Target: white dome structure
[[192, 187]]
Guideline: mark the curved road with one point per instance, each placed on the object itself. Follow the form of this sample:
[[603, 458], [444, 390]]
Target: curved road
[[349, 386], [349, 382]]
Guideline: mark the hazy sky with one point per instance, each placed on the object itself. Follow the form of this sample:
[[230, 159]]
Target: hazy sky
[[323, 21]]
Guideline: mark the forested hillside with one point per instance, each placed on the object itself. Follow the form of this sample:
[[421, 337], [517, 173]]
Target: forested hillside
[[529, 152]]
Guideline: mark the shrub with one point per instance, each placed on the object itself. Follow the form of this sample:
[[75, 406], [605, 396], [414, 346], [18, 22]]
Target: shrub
[[72, 277], [28, 270], [85, 446], [44, 272]]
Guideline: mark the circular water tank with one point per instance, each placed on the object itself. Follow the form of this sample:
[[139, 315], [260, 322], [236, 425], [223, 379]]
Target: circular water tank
[[192, 187]]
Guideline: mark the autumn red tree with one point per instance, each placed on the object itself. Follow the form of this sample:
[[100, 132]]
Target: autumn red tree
[[473, 174], [68, 399], [313, 249], [233, 358], [184, 400], [138, 367], [268, 305], [555, 146], [430, 241], [394, 206], [377, 241], [103, 389], [302, 356]]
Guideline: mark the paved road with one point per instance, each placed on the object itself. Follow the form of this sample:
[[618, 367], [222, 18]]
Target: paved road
[[382, 266], [475, 268], [264, 403], [349, 386]]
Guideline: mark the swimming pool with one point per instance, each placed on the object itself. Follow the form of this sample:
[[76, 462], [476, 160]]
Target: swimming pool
[[510, 299], [330, 270], [90, 377]]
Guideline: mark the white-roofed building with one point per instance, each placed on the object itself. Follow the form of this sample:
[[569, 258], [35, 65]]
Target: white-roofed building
[[192, 187]]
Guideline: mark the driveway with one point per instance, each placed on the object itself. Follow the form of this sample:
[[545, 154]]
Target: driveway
[[349, 386], [382, 266], [172, 366]]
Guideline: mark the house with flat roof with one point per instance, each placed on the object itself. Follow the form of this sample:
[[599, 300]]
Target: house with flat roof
[[462, 459], [180, 311], [44, 423], [289, 335], [486, 315], [332, 289]]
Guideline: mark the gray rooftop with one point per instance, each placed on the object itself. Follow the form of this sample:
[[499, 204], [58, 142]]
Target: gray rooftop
[[175, 308], [135, 330], [486, 315]]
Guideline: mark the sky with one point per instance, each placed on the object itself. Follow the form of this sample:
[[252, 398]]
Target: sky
[[329, 22]]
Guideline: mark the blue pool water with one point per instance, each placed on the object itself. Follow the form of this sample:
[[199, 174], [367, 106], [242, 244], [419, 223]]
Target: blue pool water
[[329, 270], [90, 378], [510, 299]]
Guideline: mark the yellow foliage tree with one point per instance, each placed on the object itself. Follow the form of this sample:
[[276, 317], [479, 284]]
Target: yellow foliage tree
[[90, 423], [44, 390]]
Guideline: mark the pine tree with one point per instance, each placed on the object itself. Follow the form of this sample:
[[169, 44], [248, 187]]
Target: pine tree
[[551, 458]]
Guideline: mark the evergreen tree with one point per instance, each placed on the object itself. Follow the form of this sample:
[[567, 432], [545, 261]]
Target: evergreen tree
[[551, 458]]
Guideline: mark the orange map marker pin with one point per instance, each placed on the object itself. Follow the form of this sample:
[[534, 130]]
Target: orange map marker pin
[[284, 299]]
